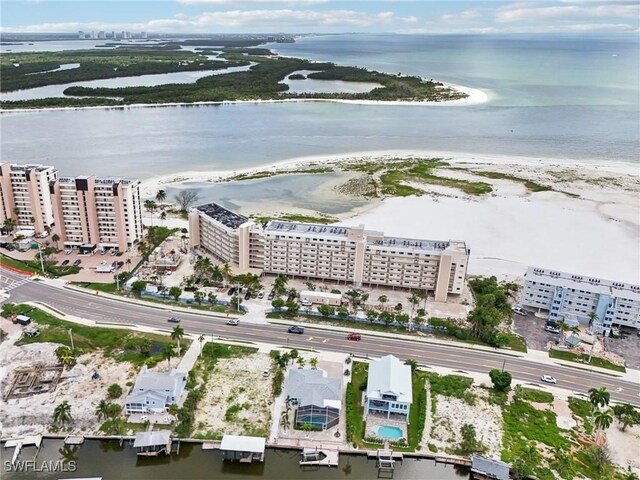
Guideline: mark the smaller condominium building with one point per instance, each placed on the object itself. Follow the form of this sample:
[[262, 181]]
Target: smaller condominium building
[[101, 211], [351, 255], [575, 298], [24, 195]]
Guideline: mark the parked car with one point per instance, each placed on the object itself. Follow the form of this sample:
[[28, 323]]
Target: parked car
[[173, 320], [306, 303], [77, 262], [113, 253], [247, 295], [10, 247], [551, 329], [548, 379], [43, 235], [354, 336], [298, 330], [261, 294], [65, 262], [120, 264], [231, 291], [68, 251], [271, 295], [519, 311], [233, 321], [103, 252], [266, 372]]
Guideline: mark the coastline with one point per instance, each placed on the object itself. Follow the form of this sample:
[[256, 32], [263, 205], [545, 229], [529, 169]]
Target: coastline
[[476, 97], [508, 229]]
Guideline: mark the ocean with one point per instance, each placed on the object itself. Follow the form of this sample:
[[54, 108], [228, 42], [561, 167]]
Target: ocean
[[562, 96]]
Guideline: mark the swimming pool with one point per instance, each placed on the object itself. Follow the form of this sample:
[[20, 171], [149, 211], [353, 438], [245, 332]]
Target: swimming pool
[[393, 433]]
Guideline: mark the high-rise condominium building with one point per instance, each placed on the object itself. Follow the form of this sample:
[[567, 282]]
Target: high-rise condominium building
[[93, 210], [105, 212], [351, 255], [575, 298], [24, 193]]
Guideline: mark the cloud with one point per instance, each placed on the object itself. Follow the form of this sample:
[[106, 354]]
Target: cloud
[[565, 28], [236, 2], [256, 20], [463, 17], [517, 13]]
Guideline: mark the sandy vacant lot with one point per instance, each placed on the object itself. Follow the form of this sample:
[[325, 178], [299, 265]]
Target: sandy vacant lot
[[452, 413], [32, 415], [238, 398]]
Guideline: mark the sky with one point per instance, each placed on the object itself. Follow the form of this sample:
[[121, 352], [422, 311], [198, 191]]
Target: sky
[[321, 16]]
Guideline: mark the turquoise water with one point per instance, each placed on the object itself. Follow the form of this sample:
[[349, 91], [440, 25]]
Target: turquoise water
[[571, 97], [392, 433]]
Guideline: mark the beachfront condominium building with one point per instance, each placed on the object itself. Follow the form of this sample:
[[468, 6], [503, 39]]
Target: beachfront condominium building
[[101, 211], [24, 193], [351, 255], [575, 299]]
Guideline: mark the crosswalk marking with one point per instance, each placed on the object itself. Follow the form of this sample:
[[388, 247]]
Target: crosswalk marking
[[16, 285]]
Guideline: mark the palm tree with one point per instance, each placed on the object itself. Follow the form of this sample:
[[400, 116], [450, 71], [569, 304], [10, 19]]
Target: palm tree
[[212, 298], [412, 363], [161, 196], [10, 224], [603, 419], [55, 238], [285, 423], [593, 318], [279, 285], [226, 271], [128, 262], [167, 353], [564, 328], [150, 206], [313, 362], [414, 299], [301, 362], [599, 397], [201, 340], [163, 217], [102, 410], [176, 334], [62, 413], [382, 299]]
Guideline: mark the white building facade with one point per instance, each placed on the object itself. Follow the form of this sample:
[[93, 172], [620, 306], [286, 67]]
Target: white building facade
[[351, 255], [578, 299], [389, 388], [24, 195]]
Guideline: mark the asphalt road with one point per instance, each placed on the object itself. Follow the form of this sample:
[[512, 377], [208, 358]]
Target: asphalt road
[[104, 309]]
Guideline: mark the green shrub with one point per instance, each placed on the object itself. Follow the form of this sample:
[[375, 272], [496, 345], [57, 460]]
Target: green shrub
[[114, 390]]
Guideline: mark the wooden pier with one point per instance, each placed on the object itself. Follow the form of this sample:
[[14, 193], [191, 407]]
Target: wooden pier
[[74, 440], [18, 443]]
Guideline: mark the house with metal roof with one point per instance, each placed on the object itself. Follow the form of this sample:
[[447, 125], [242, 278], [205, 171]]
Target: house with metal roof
[[317, 396], [154, 391], [389, 388], [488, 468]]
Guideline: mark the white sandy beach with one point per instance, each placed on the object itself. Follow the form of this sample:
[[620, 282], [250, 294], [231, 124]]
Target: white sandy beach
[[596, 234]]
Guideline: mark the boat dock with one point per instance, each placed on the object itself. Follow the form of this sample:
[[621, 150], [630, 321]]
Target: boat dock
[[454, 461], [313, 457], [18, 443]]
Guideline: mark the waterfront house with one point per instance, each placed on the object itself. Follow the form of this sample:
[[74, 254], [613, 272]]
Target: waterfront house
[[242, 448], [153, 392], [389, 390], [488, 468], [151, 444], [318, 397]]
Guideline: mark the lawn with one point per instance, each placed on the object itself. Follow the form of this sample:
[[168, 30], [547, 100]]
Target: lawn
[[121, 345], [536, 396], [102, 287], [583, 358], [451, 386], [34, 266]]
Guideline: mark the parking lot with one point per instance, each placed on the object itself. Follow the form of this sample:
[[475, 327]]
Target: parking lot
[[532, 329], [627, 346]]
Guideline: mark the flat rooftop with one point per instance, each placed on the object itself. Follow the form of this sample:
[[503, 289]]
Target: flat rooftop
[[416, 244], [222, 215], [585, 283], [279, 226]]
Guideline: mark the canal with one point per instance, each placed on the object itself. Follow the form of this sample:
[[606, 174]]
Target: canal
[[112, 461]]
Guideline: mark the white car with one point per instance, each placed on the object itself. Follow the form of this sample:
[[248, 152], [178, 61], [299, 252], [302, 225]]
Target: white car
[[548, 379], [43, 235], [67, 251], [266, 372], [306, 303], [233, 322], [519, 311]]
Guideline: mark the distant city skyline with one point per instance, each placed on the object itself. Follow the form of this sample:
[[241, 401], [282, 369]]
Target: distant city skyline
[[321, 16]]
